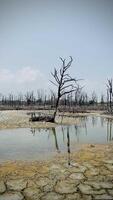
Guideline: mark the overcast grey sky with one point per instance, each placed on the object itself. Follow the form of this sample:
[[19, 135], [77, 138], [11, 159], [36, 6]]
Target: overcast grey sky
[[34, 33]]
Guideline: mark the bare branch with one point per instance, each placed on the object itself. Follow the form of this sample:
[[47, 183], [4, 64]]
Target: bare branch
[[64, 82], [61, 71], [53, 83], [69, 63], [63, 60], [70, 80], [67, 92], [71, 85], [55, 75]]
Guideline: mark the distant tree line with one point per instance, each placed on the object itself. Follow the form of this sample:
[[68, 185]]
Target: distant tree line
[[45, 100]]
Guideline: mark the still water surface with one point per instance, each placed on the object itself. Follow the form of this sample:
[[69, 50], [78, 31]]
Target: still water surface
[[36, 144]]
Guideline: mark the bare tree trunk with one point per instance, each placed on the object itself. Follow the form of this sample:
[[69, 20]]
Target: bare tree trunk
[[56, 108], [110, 94]]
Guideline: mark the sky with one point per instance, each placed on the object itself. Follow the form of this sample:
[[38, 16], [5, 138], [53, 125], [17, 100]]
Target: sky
[[35, 33]]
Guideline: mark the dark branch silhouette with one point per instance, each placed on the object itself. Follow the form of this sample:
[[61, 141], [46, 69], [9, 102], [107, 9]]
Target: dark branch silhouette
[[110, 94], [64, 82]]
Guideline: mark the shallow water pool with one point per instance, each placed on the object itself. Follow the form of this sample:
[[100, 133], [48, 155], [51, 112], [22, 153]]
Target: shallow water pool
[[39, 144]]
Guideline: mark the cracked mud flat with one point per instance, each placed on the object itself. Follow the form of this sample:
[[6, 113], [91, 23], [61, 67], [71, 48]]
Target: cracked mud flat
[[90, 175]]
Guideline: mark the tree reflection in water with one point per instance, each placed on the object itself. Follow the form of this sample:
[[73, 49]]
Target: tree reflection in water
[[33, 131], [56, 141], [102, 121], [94, 120], [77, 132], [68, 145], [65, 135], [109, 129]]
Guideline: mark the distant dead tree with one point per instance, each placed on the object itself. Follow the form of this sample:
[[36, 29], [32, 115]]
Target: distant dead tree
[[94, 99], [77, 97], [102, 99], [52, 99], [10, 99], [29, 97], [64, 82], [83, 99], [109, 94]]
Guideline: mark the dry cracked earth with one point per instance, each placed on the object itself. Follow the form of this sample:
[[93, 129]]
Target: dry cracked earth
[[90, 176]]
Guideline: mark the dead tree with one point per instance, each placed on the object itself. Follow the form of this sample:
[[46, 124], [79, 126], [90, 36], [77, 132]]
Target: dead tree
[[109, 94], [30, 99], [102, 99], [64, 82]]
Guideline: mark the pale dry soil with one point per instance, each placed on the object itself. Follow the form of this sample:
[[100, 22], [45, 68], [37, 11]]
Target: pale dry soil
[[89, 176], [20, 119]]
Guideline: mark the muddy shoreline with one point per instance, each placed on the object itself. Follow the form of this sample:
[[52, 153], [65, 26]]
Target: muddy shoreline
[[20, 119]]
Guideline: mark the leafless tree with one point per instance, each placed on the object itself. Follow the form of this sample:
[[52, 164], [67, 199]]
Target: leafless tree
[[102, 99], [29, 97], [10, 99], [94, 99], [109, 93], [20, 99], [64, 82]]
